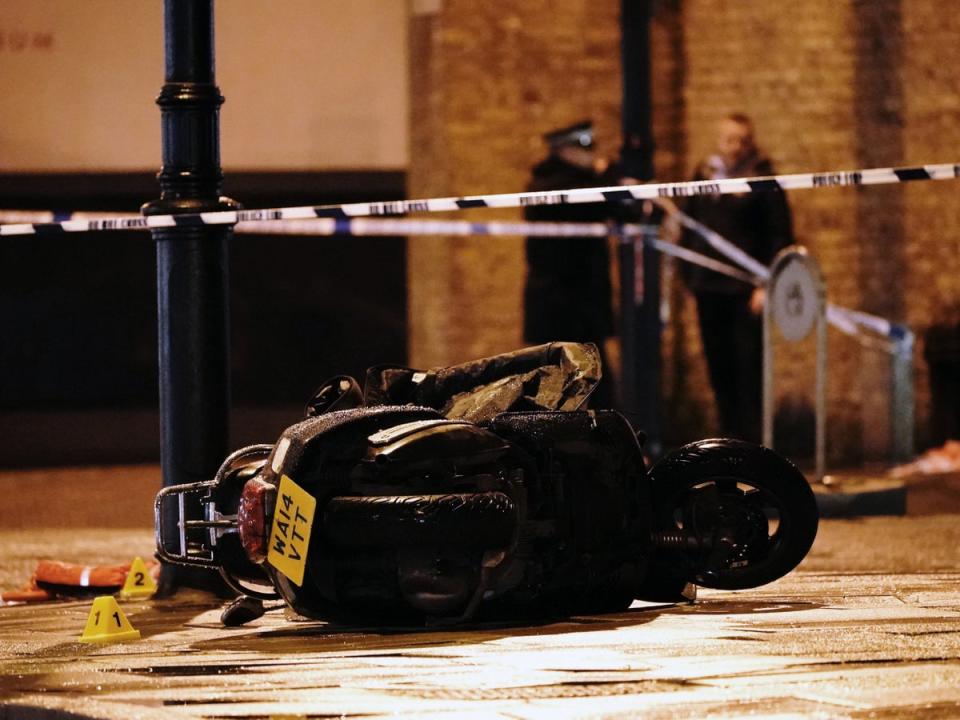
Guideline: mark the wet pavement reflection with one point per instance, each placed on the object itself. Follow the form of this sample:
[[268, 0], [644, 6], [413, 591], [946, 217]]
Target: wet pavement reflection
[[869, 626]]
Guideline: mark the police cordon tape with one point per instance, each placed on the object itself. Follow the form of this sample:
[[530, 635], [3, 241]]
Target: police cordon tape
[[896, 338], [365, 227], [611, 194]]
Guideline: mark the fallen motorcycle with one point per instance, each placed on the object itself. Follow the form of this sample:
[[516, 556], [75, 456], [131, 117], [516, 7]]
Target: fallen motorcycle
[[481, 491]]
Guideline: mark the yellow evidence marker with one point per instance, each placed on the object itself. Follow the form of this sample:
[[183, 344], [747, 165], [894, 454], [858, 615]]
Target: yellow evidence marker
[[139, 583], [107, 623]]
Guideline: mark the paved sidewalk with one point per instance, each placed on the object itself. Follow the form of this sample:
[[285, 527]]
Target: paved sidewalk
[[868, 627]]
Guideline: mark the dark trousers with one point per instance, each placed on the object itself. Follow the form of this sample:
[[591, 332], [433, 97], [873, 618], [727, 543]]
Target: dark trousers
[[732, 339]]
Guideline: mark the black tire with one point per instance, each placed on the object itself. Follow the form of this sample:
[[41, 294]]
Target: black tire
[[750, 512], [482, 520]]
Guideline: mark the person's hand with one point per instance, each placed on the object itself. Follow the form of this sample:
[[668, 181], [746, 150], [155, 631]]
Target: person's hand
[[757, 300], [667, 205], [672, 230]]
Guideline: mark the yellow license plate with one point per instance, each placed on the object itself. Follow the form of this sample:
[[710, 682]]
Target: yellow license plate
[[290, 532]]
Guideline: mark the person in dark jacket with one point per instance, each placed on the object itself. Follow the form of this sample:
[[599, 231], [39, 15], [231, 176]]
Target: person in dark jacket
[[729, 311], [567, 295]]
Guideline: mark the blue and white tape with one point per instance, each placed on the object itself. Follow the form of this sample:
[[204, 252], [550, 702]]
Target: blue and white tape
[[893, 338], [719, 243], [387, 227], [612, 194]]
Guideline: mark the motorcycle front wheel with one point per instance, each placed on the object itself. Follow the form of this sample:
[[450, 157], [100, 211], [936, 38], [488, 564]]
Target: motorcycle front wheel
[[729, 514]]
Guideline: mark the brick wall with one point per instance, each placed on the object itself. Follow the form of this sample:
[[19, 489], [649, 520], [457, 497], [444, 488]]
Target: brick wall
[[831, 84], [488, 79], [931, 284], [843, 84], [792, 68]]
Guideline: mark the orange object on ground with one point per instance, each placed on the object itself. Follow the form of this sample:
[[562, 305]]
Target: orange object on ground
[[53, 579], [943, 459], [24, 596]]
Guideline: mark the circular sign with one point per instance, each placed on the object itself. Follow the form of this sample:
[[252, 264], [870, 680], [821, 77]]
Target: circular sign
[[795, 301]]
